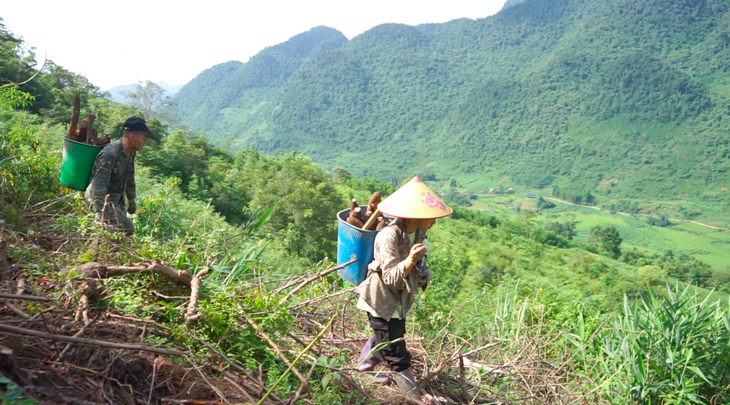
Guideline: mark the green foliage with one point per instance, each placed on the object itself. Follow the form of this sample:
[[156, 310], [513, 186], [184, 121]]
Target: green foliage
[[11, 97], [306, 200], [608, 240], [206, 172], [150, 99], [671, 351], [13, 394], [660, 220], [30, 164], [543, 204], [604, 100], [252, 218], [565, 229]]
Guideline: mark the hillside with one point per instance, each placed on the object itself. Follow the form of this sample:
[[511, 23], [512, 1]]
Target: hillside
[[236, 88], [226, 293], [573, 93]]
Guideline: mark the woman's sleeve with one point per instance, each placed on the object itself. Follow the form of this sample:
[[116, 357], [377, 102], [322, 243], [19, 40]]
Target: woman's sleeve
[[393, 269]]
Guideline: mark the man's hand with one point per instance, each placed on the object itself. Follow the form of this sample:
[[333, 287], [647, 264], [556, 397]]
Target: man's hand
[[132, 206]]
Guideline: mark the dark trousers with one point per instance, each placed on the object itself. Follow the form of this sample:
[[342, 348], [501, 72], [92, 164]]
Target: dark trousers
[[116, 217], [395, 354]]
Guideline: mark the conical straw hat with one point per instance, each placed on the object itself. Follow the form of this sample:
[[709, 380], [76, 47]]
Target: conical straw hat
[[414, 201]]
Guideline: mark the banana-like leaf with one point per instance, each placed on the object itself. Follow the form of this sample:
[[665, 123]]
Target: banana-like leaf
[[6, 160]]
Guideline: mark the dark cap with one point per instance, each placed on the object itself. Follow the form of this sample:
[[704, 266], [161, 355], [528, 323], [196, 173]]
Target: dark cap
[[136, 124]]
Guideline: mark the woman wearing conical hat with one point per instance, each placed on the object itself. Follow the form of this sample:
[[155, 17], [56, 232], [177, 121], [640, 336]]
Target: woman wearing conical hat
[[395, 275]]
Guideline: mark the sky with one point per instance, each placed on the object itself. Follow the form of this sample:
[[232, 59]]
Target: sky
[[123, 42]]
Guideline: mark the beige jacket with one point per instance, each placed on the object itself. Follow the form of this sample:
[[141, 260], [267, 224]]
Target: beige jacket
[[386, 288]]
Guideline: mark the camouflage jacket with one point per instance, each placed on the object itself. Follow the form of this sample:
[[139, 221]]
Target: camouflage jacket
[[112, 173]]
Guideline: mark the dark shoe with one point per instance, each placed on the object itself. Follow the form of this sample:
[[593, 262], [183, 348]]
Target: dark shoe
[[382, 379], [407, 383]]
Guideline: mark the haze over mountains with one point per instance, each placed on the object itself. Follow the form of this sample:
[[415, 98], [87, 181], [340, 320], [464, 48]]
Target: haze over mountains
[[615, 98], [117, 92]]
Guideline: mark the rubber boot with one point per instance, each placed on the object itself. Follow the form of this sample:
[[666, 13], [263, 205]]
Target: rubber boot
[[367, 363], [407, 383]]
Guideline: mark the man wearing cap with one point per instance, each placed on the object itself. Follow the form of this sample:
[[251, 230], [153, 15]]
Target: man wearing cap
[[395, 275], [113, 175]]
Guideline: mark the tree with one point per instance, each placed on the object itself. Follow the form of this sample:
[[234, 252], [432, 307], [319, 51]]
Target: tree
[[543, 204], [565, 229], [150, 99], [607, 238]]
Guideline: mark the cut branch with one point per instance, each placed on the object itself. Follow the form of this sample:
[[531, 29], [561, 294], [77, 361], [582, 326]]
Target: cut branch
[[29, 332], [4, 86], [273, 345], [26, 297], [99, 270], [191, 315], [316, 277]]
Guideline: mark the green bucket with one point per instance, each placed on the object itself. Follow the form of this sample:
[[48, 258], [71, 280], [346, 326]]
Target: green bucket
[[78, 159]]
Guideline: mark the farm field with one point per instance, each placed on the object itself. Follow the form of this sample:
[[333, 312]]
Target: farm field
[[709, 245]]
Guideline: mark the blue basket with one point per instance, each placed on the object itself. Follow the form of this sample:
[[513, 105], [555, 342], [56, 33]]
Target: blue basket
[[354, 243]]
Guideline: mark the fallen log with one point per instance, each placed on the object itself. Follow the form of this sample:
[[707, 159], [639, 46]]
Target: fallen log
[[98, 270]]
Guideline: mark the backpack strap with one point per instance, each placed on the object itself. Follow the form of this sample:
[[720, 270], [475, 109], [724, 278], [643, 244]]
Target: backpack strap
[[119, 150]]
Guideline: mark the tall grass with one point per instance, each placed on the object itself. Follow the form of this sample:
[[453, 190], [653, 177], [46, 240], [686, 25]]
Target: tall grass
[[670, 351]]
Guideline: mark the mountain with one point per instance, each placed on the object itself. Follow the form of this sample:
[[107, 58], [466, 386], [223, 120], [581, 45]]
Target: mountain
[[222, 98], [118, 91], [613, 98], [510, 3]]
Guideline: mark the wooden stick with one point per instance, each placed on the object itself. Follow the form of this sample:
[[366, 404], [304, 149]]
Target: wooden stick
[[296, 360], [240, 389], [462, 380], [273, 345], [478, 349], [30, 332], [11, 84], [315, 277], [15, 309], [371, 220], [191, 315], [26, 297], [75, 111], [89, 129]]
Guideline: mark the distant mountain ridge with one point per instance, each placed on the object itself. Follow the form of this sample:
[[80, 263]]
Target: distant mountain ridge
[[117, 92], [618, 98]]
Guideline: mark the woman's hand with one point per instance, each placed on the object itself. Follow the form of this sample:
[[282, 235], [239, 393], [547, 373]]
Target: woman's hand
[[417, 252]]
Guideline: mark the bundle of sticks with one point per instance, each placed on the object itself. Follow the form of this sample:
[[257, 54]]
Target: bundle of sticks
[[84, 132], [369, 220]]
